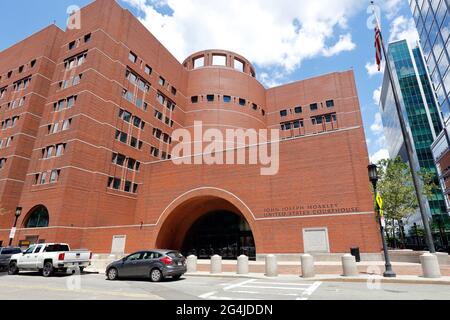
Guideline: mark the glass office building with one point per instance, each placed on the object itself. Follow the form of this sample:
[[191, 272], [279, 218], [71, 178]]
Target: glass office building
[[420, 110], [432, 18]]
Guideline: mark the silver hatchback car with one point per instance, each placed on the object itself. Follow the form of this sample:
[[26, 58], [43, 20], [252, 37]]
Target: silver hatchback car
[[155, 265]]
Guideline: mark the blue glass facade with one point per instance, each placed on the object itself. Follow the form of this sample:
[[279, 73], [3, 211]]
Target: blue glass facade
[[419, 108], [432, 18]]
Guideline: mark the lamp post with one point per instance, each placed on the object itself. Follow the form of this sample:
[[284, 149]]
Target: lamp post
[[13, 230], [373, 177]]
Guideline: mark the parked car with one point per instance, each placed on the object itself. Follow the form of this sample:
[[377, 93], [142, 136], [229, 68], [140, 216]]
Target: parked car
[[152, 264], [5, 256], [49, 258]]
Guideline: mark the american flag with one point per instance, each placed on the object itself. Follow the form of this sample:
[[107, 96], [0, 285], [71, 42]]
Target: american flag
[[379, 56]]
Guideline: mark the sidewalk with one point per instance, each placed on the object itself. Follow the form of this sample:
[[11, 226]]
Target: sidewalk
[[326, 268], [370, 279]]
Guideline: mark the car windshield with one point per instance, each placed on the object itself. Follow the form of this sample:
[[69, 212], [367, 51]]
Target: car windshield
[[57, 248]]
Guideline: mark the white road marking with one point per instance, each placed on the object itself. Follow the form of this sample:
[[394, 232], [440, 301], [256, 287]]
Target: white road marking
[[313, 288], [207, 295], [284, 284], [280, 288], [240, 284]]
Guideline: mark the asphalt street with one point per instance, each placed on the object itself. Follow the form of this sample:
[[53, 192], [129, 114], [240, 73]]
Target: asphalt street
[[27, 286]]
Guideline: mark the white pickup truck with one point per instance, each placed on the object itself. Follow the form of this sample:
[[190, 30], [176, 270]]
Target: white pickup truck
[[49, 258]]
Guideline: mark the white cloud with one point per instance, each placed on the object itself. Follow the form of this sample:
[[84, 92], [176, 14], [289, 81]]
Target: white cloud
[[377, 126], [404, 28], [377, 96], [270, 33], [379, 155], [392, 7], [372, 68]]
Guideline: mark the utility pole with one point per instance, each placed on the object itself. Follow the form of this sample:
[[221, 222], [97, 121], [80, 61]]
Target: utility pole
[[409, 148]]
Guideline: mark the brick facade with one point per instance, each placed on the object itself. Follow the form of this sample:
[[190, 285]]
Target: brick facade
[[322, 180]]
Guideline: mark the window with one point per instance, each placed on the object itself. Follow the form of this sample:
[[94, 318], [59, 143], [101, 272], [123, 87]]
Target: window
[[125, 115], [72, 45], [121, 136], [9, 74], [158, 115], [20, 69], [60, 149], [132, 57], [199, 62], [54, 176], [33, 63], [194, 99], [313, 106], [263, 112], [87, 38], [254, 106], [118, 159], [114, 183], [330, 103], [66, 124], [43, 178], [157, 133], [2, 163], [242, 102], [297, 124], [9, 141], [173, 90], [298, 110], [127, 187], [76, 80], [219, 60], [283, 113], [162, 81], [239, 65], [49, 152], [148, 70], [38, 218], [210, 98], [154, 152], [138, 123], [55, 128], [2, 92], [71, 101]]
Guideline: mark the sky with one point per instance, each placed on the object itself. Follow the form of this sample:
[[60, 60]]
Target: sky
[[286, 40]]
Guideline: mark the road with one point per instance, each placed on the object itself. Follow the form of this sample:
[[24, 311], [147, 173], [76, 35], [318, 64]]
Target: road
[[30, 286]]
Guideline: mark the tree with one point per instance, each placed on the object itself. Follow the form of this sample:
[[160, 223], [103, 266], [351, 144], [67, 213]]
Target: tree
[[398, 192]]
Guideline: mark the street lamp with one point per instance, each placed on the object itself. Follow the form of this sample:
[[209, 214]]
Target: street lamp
[[13, 230], [373, 177]]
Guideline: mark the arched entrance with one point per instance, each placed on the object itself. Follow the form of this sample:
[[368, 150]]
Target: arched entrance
[[220, 232], [208, 221]]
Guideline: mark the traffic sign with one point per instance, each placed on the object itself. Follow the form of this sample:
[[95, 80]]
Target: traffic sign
[[379, 201]]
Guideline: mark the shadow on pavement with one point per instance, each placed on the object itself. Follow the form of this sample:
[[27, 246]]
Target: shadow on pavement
[[148, 280]]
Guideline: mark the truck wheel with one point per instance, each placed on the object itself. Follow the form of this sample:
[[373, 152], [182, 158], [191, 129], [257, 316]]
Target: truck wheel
[[13, 269], [112, 274], [156, 275], [48, 269]]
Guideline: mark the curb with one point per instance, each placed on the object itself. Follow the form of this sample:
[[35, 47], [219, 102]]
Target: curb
[[330, 278]]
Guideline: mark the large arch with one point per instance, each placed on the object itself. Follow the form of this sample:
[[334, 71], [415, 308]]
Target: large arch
[[178, 218]]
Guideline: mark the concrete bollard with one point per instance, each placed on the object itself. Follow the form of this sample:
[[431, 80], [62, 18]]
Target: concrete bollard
[[308, 266], [216, 264], [112, 257], [271, 266], [242, 264], [95, 257], [443, 258], [430, 266], [191, 263], [349, 265]]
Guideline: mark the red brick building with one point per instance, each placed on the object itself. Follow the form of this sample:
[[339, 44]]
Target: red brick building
[[87, 119]]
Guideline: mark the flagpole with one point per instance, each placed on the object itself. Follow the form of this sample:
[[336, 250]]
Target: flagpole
[[409, 147]]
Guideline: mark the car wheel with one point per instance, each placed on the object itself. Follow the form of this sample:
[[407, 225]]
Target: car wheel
[[176, 277], [112, 274], [13, 269], [156, 275], [48, 269]]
